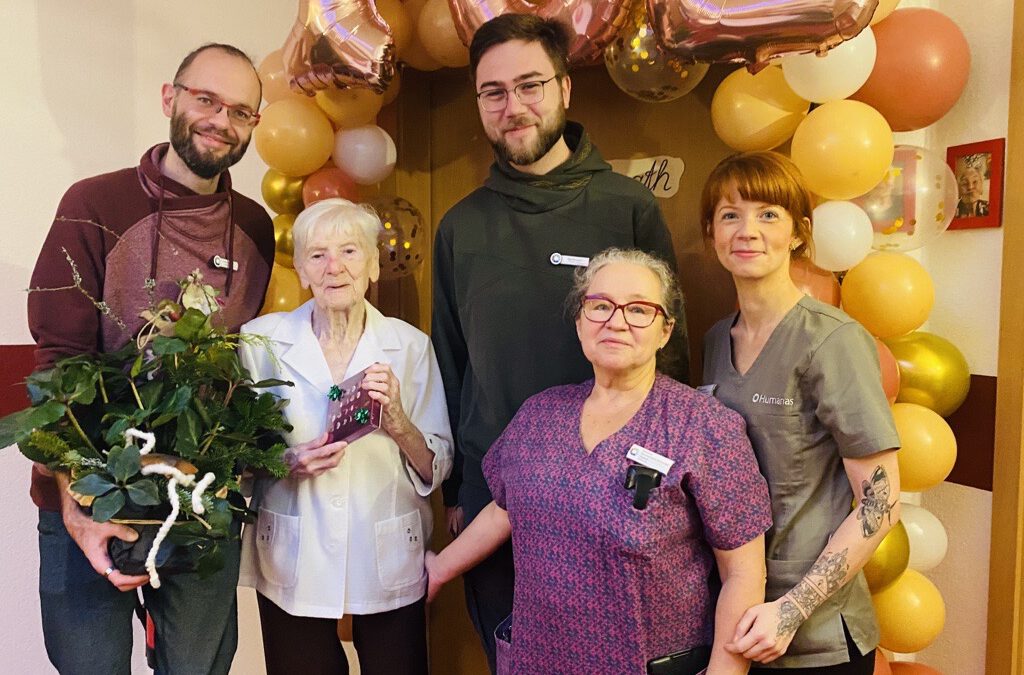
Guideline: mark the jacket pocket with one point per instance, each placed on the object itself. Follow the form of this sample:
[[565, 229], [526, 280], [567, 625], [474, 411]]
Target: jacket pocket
[[277, 547], [400, 551]]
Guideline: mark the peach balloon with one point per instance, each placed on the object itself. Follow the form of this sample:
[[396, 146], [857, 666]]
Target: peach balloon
[[756, 112], [881, 664], [814, 281], [891, 294], [908, 668], [275, 79], [285, 291], [294, 137], [348, 108], [328, 182], [438, 35], [910, 613], [921, 67], [890, 371], [927, 448], [843, 148]]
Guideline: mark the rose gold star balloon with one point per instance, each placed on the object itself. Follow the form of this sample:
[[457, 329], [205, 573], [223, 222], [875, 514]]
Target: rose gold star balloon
[[339, 43], [592, 24], [753, 31]]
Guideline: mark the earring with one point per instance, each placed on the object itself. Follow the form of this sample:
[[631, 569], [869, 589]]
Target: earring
[[795, 244]]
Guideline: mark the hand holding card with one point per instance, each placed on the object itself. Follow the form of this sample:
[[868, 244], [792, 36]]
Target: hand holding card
[[351, 412]]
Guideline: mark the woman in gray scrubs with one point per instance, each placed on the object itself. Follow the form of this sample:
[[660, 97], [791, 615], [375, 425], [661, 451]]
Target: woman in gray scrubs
[[806, 378]]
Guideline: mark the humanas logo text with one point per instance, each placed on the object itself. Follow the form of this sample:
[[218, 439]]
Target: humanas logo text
[[771, 400]]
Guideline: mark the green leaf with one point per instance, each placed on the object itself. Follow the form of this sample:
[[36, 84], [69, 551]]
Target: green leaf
[[219, 517], [18, 426], [123, 463], [179, 400], [107, 506], [151, 393], [192, 325], [42, 385], [210, 562], [136, 366], [271, 382], [144, 492], [167, 345], [92, 485], [186, 440], [115, 434]]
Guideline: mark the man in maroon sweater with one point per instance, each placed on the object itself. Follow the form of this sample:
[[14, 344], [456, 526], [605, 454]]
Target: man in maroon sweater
[[126, 232]]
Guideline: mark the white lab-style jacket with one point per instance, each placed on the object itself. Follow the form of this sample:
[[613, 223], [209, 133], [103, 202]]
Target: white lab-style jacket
[[351, 540]]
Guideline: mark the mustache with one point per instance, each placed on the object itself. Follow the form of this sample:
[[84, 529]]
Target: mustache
[[219, 134], [518, 121]]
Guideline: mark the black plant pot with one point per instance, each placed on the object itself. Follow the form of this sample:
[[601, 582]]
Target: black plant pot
[[130, 556]]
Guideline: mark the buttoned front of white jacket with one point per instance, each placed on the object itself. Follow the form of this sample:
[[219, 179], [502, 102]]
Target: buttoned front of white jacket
[[351, 540]]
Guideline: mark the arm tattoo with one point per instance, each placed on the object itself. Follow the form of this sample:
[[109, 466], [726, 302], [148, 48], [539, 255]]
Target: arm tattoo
[[824, 578], [874, 502], [790, 619]]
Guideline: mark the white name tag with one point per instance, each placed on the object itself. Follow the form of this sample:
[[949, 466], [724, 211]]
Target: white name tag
[[650, 459], [222, 263], [574, 260], [708, 389]]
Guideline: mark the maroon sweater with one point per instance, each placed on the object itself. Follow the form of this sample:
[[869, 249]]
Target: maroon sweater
[[121, 227]]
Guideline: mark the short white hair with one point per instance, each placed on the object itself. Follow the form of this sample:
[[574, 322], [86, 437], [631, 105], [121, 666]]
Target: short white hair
[[340, 215]]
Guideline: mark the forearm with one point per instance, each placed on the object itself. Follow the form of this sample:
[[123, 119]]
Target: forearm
[[413, 445], [485, 534], [743, 580]]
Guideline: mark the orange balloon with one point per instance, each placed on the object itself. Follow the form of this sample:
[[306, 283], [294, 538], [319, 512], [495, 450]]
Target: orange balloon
[[927, 449], [397, 18], [921, 67], [910, 613], [348, 108], [908, 668], [294, 137], [283, 194], [326, 183], [437, 34], [285, 291], [890, 371], [756, 112], [889, 293], [843, 149], [275, 79], [881, 664], [814, 281]]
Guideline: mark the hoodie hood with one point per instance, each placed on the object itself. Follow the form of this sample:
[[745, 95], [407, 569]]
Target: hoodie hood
[[527, 193]]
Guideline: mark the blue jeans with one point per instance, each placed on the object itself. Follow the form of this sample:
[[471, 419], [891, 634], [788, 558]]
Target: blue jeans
[[87, 622]]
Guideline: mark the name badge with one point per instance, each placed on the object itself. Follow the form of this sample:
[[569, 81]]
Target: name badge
[[222, 263], [573, 260], [708, 389], [650, 459]]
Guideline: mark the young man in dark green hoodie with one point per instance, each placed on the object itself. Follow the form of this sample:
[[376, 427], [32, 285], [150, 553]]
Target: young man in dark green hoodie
[[503, 265]]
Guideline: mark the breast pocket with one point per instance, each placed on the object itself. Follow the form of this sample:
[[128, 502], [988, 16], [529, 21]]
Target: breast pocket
[[400, 551], [780, 442], [277, 547]]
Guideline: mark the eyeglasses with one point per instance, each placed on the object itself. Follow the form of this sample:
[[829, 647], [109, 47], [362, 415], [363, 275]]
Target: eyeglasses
[[210, 104], [528, 93], [638, 314]]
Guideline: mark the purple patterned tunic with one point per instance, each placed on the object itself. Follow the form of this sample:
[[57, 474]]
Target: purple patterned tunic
[[600, 586]]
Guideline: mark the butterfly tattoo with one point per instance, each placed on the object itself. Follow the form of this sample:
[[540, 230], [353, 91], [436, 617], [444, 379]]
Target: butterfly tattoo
[[874, 505]]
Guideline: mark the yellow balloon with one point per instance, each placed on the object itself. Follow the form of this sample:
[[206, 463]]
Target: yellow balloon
[[397, 19], [910, 613], [350, 108], [275, 79], [294, 137], [883, 10], [927, 447], [415, 53], [889, 559], [889, 293], [437, 34], [756, 112], [843, 148], [285, 292], [283, 194], [284, 246], [391, 93], [933, 372]]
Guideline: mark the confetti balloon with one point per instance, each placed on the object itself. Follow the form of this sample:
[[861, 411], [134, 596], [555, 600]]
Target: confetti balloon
[[914, 203], [403, 238], [639, 67]]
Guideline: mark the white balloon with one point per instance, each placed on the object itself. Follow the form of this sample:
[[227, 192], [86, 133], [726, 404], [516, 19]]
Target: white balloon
[[366, 154], [842, 235], [837, 74], [928, 541]]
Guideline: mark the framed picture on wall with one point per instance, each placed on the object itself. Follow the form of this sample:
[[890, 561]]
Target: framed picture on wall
[[978, 168]]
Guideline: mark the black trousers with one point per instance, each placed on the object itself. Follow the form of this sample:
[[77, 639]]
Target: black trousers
[[388, 643], [857, 665], [489, 585]]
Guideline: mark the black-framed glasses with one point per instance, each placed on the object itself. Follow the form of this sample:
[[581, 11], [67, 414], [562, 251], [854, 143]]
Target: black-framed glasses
[[528, 93], [638, 314], [210, 104]]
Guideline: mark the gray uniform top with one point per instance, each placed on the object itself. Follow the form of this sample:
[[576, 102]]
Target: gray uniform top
[[812, 397]]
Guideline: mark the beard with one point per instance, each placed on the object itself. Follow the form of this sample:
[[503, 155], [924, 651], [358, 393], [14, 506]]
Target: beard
[[548, 132], [203, 164]]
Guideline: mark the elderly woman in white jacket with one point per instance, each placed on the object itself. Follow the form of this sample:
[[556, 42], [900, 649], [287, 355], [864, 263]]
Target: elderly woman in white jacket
[[345, 532]]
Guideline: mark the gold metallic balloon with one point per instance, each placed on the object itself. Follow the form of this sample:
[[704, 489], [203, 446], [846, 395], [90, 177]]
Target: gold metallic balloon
[[933, 372], [284, 247], [640, 68], [285, 291], [889, 559], [283, 194]]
